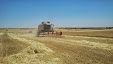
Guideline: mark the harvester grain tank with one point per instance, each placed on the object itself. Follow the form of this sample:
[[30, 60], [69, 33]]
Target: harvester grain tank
[[46, 28]]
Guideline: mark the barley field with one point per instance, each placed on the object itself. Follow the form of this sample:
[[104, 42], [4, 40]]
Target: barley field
[[75, 46]]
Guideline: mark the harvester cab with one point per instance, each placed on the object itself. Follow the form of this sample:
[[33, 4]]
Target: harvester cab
[[46, 28]]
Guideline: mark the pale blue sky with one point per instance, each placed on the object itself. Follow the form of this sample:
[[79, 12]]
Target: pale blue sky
[[62, 13]]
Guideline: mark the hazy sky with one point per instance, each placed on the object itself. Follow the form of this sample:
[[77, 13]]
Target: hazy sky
[[62, 13]]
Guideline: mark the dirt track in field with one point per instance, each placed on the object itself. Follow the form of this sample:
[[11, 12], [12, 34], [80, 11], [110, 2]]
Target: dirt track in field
[[66, 49]]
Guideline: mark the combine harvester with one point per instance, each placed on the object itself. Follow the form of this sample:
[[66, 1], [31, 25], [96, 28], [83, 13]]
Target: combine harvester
[[46, 29]]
